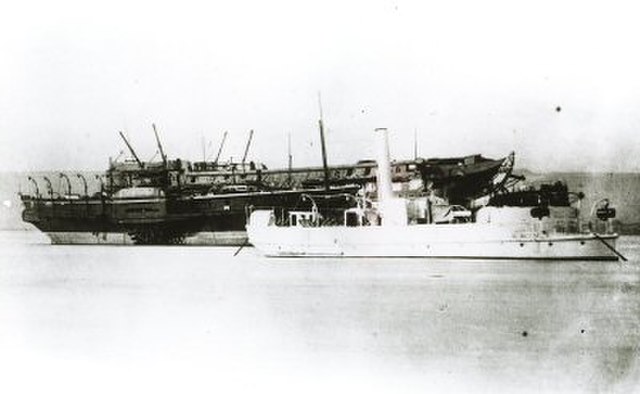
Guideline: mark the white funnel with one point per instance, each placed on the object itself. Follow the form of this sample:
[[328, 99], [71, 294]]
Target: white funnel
[[392, 210], [383, 175]]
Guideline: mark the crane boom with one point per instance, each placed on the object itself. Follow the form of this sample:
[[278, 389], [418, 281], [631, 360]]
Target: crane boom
[[164, 157], [133, 152], [246, 149], [224, 138]]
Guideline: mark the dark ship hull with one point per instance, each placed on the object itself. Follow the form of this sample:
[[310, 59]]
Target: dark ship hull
[[192, 220], [73, 222], [177, 203]]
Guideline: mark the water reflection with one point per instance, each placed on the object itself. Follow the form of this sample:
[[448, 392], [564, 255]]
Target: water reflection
[[538, 325]]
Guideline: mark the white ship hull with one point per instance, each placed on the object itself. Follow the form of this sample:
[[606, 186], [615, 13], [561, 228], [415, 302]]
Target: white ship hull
[[470, 240], [88, 238], [203, 238], [385, 230]]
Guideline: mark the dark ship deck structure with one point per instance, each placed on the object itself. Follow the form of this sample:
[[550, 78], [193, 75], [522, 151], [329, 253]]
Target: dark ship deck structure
[[207, 202]]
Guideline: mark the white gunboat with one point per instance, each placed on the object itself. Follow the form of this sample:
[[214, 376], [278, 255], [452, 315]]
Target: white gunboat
[[385, 231]]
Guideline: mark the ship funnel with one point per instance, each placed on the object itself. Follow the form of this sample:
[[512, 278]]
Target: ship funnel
[[383, 175], [392, 210]]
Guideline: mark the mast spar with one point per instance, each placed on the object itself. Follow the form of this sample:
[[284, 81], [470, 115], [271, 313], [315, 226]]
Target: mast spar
[[290, 156], [204, 149]]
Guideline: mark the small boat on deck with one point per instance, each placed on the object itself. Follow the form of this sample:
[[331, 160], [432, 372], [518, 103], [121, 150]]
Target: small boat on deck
[[400, 227]]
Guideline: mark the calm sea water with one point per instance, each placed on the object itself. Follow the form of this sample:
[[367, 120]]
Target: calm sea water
[[198, 319]]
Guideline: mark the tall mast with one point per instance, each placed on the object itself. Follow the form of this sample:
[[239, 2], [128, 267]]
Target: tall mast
[[415, 144], [131, 149], [290, 156], [164, 157], [224, 138], [204, 149], [324, 148], [246, 149]]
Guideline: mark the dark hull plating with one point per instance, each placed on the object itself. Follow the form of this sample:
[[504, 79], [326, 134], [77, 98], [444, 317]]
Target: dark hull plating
[[211, 206], [215, 220]]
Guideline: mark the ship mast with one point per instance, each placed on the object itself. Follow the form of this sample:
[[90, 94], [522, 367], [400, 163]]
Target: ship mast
[[131, 150], [204, 149], [246, 149], [324, 148], [162, 154], [290, 156]]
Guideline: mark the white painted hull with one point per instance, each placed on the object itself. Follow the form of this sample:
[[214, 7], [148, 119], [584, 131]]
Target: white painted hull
[[87, 238], [217, 238], [204, 238], [438, 241]]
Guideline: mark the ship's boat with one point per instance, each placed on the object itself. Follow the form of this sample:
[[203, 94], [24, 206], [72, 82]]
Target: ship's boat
[[537, 224]]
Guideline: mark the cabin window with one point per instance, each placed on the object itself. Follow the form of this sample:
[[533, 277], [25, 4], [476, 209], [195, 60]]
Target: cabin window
[[294, 220]]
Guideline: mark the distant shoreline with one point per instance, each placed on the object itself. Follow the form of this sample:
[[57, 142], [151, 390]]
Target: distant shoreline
[[620, 188]]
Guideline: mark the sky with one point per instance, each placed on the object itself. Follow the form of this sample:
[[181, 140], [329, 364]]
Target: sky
[[556, 82]]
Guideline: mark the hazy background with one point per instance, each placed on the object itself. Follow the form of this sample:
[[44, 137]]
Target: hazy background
[[467, 76]]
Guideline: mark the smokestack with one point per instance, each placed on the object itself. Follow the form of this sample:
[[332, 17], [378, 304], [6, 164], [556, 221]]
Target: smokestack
[[383, 175], [393, 211]]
